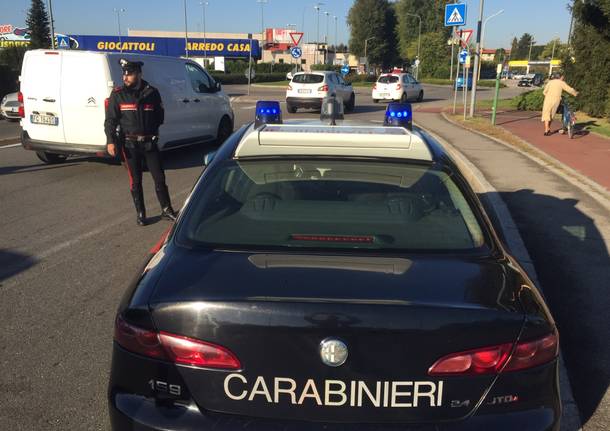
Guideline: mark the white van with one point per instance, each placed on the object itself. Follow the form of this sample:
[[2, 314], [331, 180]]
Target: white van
[[64, 94]]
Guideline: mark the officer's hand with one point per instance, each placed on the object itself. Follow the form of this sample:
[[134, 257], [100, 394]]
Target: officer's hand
[[111, 150]]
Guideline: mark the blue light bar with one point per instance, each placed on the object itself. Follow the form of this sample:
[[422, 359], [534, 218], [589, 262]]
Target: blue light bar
[[399, 114], [267, 112]]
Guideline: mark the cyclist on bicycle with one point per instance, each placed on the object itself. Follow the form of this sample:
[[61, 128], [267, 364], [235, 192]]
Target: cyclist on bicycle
[[552, 98]]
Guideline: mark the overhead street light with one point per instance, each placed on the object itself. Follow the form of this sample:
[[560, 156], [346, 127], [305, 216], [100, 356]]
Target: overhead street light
[[317, 8], [118, 18], [501, 11]]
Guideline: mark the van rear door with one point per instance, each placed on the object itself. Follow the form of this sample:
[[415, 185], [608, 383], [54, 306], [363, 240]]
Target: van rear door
[[85, 84], [40, 85]]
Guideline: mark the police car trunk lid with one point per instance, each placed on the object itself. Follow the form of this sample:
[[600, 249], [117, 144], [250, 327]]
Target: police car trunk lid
[[397, 316]]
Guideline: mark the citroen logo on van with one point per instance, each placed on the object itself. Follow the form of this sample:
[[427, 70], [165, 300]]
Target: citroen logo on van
[[91, 100], [333, 352]]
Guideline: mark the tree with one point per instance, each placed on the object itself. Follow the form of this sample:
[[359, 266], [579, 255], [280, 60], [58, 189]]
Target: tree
[[514, 46], [500, 56], [553, 49], [38, 24], [432, 13], [434, 56], [523, 47], [587, 62], [374, 20]]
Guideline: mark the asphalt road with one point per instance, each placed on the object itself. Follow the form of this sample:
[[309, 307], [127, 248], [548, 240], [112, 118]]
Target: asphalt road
[[9, 131], [68, 247]]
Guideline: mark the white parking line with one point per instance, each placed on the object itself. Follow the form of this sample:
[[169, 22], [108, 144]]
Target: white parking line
[[11, 145]]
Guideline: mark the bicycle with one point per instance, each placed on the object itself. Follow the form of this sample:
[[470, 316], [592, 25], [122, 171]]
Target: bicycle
[[568, 119]]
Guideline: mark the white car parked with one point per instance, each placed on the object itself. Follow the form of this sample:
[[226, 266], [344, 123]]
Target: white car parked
[[308, 89], [397, 86], [9, 108], [64, 92]]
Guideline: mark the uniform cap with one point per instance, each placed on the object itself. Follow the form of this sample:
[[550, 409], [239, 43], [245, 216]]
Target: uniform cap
[[130, 66]]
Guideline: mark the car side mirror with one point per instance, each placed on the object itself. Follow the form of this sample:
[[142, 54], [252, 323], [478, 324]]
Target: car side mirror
[[217, 86], [203, 88], [207, 159]]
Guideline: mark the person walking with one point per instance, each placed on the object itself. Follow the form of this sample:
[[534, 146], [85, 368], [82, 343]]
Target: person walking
[[552, 98], [133, 116]]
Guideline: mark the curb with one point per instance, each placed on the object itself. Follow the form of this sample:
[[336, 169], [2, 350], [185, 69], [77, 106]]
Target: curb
[[570, 419], [590, 187]]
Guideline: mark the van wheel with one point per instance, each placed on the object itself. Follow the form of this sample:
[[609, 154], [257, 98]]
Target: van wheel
[[420, 96], [51, 158], [225, 129]]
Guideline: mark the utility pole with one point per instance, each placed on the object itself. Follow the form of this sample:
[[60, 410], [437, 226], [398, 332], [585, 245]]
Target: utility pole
[[477, 59], [118, 18], [52, 25], [205, 48], [529, 55], [262, 3], [336, 40], [552, 56], [186, 37], [365, 56]]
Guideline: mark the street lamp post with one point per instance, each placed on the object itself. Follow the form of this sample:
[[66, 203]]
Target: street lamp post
[[552, 56], [336, 41], [529, 55], [366, 41], [205, 48], [262, 3], [477, 60], [418, 42], [326, 37], [186, 37], [483, 33], [317, 8], [118, 18], [52, 24]]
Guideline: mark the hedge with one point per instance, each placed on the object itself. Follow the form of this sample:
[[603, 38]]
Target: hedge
[[529, 101]]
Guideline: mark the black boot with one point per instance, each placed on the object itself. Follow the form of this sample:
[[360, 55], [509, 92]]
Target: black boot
[[138, 201], [167, 212]]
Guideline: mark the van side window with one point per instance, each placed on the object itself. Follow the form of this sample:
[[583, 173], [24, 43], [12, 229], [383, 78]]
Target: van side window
[[199, 80]]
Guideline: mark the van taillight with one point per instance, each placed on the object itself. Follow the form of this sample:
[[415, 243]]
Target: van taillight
[[106, 103], [173, 348], [491, 360], [21, 105]]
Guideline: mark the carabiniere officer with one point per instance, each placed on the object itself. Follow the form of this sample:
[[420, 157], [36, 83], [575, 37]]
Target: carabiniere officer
[[137, 108]]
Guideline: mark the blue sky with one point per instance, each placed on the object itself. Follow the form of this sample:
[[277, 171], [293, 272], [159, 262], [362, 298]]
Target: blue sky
[[544, 19]]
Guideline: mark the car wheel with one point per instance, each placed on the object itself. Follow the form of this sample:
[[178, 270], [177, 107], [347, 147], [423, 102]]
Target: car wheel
[[375, 100], [420, 96], [291, 109], [51, 158], [225, 128], [349, 107], [403, 98]]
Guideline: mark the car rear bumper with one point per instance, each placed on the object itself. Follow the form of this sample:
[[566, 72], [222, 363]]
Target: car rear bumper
[[134, 412], [62, 147], [384, 95], [10, 114], [305, 102]]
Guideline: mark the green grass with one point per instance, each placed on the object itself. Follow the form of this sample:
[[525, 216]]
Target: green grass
[[482, 82], [283, 83], [503, 104], [363, 84]]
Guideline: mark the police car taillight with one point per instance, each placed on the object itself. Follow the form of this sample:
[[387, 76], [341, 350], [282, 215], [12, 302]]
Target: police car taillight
[[399, 114], [173, 348], [267, 112], [492, 360], [21, 105]]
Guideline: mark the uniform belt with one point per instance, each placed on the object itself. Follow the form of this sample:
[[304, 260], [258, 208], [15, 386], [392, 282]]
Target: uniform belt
[[139, 138]]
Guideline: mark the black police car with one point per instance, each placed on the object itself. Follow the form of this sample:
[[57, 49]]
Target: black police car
[[333, 278]]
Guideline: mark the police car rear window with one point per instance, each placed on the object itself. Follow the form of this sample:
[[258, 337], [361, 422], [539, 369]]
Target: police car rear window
[[388, 79], [308, 78], [329, 204]]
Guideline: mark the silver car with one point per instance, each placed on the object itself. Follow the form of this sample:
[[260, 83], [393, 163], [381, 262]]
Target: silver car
[[10, 107]]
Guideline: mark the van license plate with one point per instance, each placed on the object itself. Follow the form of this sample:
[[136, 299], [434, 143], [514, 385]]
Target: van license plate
[[48, 120], [304, 91]]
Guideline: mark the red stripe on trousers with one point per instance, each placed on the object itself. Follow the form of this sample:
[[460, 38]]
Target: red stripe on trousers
[[128, 170]]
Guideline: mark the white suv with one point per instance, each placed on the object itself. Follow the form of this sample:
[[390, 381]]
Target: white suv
[[397, 86], [307, 89]]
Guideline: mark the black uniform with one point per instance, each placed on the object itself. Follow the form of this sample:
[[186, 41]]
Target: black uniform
[[139, 113]]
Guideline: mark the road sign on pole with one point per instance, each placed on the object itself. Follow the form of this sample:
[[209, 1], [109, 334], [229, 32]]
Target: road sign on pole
[[455, 14], [296, 37], [465, 38], [63, 42], [345, 69], [463, 56], [296, 52]]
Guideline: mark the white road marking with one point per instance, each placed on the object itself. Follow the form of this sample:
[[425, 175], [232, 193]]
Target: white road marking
[[11, 145]]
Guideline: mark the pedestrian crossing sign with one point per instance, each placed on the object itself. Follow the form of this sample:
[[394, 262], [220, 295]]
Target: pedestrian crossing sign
[[455, 14], [63, 42]]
